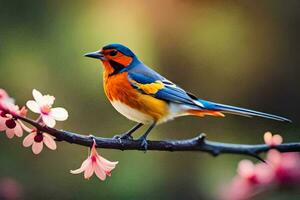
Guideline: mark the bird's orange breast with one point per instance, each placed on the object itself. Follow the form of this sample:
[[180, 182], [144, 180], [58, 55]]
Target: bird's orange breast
[[118, 88]]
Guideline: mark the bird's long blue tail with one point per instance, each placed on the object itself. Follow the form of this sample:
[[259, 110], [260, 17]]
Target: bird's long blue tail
[[240, 111]]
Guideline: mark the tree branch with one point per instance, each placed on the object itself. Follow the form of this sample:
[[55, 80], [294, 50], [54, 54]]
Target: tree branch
[[195, 144]]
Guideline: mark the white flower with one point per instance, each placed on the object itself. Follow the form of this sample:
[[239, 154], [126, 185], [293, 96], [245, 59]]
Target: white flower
[[42, 105]]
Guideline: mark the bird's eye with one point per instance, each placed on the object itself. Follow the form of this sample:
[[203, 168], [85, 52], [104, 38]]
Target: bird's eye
[[113, 53]]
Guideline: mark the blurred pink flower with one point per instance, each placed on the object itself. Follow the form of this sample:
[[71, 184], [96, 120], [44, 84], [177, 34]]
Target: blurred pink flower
[[10, 189], [248, 181], [42, 105], [239, 189], [37, 141], [281, 168], [95, 163], [3, 94], [254, 174], [7, 103], [286, 167], [3, 98], [272, 140]]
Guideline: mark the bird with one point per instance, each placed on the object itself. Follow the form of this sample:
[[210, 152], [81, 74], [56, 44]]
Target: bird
[[148, 98]]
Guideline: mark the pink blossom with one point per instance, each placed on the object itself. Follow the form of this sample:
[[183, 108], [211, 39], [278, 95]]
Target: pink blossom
[[272, 140], [42, 104], [255, 174], [249, 180], [37, 141], [286, 166], [238, 189], [8, 110], [9, 124], [281, 168], [95, 163]]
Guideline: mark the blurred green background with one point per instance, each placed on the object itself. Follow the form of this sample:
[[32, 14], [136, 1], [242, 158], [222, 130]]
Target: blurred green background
[[244, 53]]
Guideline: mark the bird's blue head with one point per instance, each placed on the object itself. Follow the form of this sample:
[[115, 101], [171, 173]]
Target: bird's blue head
[[115, 57], [119, 47]]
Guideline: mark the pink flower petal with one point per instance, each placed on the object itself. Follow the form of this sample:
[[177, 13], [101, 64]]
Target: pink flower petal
[[274, 157], [3, 94], [94, 150], [89, 170], [2, 124], [10, 133], [33, 106], [48, 120], [107, 162], [264, 173], [238, 189], [8, 103], [277, 139], [25, 128], [18, 130], [38, 97], [104, 167], [37, 147], [59, 114], [268, 138], [100, 173], [13, 109], [47, 100], [49, 142], [29, 139], [245, 168], [83, 167]]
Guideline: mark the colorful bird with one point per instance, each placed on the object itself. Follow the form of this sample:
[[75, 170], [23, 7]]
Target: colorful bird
[[144, 96]]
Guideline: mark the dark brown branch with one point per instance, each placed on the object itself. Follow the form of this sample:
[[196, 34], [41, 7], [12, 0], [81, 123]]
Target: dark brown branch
[[195, 144]]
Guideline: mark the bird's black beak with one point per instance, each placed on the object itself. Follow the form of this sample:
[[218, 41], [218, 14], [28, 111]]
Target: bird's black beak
[[96, 54]]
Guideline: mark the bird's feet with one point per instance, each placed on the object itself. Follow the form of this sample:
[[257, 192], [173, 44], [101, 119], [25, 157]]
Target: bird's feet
[[124, 136], [144, 143]]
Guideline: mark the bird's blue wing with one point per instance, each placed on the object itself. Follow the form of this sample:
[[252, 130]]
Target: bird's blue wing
[[149, 82], [142, 78]]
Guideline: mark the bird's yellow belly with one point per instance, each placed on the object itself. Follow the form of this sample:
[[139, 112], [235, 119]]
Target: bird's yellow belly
[[131, 103]]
